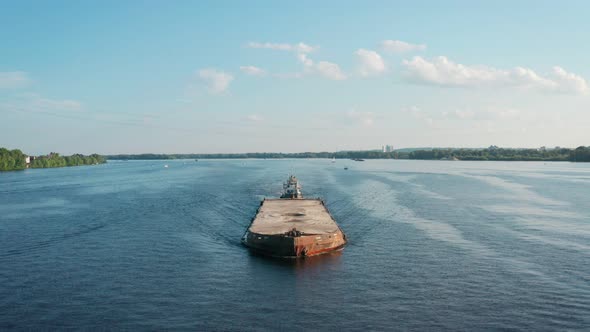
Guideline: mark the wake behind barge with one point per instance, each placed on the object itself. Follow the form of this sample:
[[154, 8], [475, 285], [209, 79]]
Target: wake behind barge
[[292, 226]]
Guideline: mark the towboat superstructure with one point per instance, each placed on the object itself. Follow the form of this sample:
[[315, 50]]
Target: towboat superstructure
[[291, 188]]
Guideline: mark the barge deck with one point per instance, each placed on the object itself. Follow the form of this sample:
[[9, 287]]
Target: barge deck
[[293, 227]]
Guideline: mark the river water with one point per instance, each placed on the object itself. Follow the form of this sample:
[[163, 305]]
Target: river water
[[433, 245]]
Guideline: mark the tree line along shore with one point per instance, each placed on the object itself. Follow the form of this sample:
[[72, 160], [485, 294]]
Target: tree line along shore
[[14, 160], [580, 154], [11, 160]]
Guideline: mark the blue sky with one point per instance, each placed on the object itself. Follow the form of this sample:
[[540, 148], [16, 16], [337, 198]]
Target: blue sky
[[200, 77]]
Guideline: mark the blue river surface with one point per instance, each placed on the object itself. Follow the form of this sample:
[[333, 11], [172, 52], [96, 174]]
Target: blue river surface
[[433, 245]]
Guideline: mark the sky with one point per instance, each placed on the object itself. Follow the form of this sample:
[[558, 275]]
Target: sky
[[115, 77]]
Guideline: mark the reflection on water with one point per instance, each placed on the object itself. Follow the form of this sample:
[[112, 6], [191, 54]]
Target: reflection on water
[[300, 265]]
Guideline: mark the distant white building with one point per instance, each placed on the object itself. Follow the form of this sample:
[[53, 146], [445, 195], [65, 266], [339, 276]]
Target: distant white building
[[387, 148], [29, 160]]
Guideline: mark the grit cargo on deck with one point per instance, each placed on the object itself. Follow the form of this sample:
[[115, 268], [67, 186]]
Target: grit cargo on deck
[[293, 226]]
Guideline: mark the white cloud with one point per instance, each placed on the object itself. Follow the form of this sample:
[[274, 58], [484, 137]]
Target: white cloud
[[412, 109], [253, 70], [218, 81], [398, 46], [459, 114], [417, 113], [13, 79], [569, 81], [53, 104], [330, 70], [254, 118], [370, 62], [35, 103], [364, 118], [305, 60], [444, 72], [299, 48], [504, 113], [325, 69], [484, 113]]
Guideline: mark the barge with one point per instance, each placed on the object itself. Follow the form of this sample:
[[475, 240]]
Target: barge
[[292, 226]]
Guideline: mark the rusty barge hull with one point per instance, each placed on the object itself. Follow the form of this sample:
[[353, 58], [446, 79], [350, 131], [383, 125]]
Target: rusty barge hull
[[293, 247], [292, 228]]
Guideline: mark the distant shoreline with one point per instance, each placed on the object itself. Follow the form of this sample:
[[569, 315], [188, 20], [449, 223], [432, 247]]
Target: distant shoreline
[[580, 154], [368, 159]]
